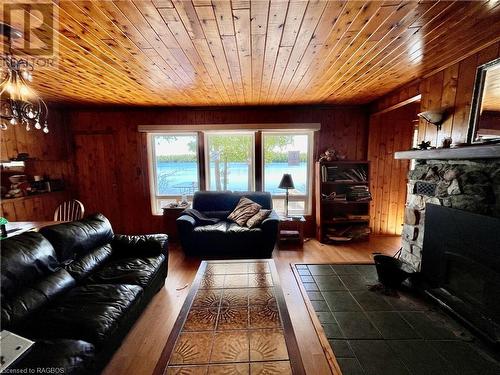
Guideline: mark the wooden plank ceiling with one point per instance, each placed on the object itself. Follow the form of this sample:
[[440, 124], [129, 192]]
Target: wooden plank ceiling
[[204, 52]]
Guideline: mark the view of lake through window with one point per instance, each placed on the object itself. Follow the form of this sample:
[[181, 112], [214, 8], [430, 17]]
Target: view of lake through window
[[230, 164], [176, 164]]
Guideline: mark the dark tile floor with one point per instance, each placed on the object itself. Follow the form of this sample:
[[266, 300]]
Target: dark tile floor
[[374, 334]]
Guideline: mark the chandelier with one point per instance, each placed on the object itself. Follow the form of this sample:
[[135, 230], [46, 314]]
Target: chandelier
[[20, 105]]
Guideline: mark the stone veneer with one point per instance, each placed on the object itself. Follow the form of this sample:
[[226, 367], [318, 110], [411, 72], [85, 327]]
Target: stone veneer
[[469, 185]]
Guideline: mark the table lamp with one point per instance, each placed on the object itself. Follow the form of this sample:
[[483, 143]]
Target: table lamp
[[286, 183]]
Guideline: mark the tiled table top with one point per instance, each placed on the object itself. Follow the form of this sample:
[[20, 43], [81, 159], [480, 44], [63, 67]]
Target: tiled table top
[[234, 321], [373, 334]]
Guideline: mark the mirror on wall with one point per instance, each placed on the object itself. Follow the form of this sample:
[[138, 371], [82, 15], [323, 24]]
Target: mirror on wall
[[485, 110]]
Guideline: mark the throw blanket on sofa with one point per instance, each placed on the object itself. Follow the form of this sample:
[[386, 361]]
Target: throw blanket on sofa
[[201, 219]]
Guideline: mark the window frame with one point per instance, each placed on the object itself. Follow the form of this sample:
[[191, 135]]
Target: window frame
[[153, 188], [206, 151], [307, 198], [203, 160]]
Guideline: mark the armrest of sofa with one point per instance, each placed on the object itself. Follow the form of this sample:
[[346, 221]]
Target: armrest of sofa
[[145, 245], [185, 224], [270, 224], [269, 233], [185, 227]]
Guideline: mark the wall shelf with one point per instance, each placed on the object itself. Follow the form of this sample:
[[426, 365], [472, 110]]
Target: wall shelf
[[326, 201]]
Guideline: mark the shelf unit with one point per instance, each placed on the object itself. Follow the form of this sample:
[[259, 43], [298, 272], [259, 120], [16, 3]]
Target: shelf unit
[[332, 216]]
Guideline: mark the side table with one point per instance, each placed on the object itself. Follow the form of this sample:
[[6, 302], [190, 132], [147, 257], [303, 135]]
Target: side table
[[291, 232], [170, 215]]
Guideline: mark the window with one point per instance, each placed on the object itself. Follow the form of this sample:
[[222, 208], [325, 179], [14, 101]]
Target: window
[[230, 161], [184, 162], [288, 153], [175, 167]]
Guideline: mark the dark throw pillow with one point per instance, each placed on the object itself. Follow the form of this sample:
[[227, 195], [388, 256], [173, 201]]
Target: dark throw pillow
[[258, 218], [243, 211], [200, 218]]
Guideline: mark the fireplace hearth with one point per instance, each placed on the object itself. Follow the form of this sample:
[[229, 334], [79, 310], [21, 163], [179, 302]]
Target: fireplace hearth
[[461, 266]]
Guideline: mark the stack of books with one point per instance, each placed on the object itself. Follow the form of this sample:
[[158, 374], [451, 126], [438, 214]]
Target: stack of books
[[328, 173], [359, 193], [340, 197], [348, 217], [349, 233]]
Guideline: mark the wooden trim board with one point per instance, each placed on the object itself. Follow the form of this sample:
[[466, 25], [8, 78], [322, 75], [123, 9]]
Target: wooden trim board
[[224, 127]]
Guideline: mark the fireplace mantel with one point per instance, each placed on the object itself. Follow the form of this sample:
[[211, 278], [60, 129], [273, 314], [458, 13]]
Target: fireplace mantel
[[468, 152]]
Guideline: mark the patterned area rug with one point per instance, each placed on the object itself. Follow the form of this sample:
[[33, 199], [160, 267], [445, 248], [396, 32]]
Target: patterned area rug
[[370, 333], [234, 321]]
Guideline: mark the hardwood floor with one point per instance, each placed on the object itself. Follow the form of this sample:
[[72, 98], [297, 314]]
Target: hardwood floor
[[142, 347]]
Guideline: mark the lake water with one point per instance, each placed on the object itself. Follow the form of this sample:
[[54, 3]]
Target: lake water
[[180, 178]]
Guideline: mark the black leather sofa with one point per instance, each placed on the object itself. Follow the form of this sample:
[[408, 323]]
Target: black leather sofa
[[76, 289], [227, 238]]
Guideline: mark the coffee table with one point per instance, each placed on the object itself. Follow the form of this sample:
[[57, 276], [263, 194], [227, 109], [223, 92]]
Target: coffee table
[[234, 321]]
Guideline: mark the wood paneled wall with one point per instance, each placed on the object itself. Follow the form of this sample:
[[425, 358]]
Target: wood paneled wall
[[451, 89], [389, 132], [50, 154], [343, 127]]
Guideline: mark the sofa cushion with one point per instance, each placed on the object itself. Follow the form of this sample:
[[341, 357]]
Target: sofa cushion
[[25, 258], [85, 265], [32, 298], [91, 313], [258, 218], [243, 211], [221, 215], [136, 271], [74, 239], [213, 201], [140, 245], [220, 227], [69, 357]]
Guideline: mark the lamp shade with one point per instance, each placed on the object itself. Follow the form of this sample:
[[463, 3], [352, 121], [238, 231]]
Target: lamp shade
[[286, 182]]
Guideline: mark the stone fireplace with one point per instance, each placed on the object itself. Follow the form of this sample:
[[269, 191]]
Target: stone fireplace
[[451, 232], [465, 184]]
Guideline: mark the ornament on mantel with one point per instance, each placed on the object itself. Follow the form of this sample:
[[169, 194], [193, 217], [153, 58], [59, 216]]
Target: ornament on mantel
[[424, 145], [446, 143]]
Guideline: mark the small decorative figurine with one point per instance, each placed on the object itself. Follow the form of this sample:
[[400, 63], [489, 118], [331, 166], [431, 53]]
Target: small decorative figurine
[[330, 155], [447, 142], [424, 145]]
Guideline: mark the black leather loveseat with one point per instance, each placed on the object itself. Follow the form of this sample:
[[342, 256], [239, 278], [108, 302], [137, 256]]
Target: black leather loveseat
[[226, 238], [76, 289]]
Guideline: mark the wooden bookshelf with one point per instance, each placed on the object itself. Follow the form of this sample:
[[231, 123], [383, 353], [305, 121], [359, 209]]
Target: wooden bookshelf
[[342, 200]]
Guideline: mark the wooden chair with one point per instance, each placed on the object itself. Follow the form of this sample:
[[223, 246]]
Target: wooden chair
[[69, 211]]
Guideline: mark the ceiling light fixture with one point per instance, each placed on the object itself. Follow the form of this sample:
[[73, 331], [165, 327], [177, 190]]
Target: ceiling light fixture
[[19, 104]]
